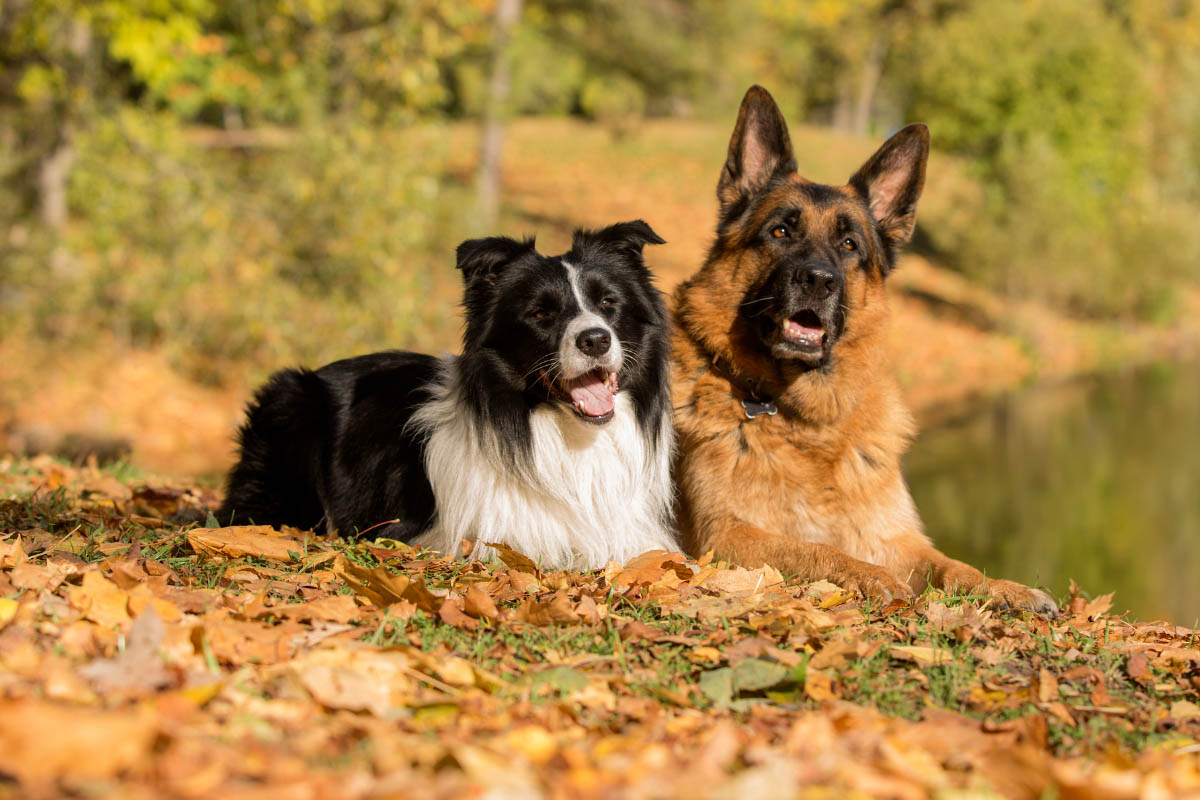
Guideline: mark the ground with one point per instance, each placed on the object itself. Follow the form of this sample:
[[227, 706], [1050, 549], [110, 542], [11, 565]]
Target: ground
[[143, 654]]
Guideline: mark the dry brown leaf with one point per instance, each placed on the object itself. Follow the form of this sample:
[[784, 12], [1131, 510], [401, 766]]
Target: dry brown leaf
[[451, 613], [101, 600], [1099, 606], [556, 612], [237, 642], [818, 685], [139, 668], [923, 656], [376, 584], [743, 582], [337, 608], [1184, 709], [514, 560], [260, 541], [479, 603], [1047, 686], [1138, 667], [83, 742]]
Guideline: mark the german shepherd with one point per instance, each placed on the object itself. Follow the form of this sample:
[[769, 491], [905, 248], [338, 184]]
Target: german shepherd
[[790, 425]]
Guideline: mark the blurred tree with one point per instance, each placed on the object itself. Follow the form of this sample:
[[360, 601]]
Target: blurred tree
[[492, 139], [845, 46]]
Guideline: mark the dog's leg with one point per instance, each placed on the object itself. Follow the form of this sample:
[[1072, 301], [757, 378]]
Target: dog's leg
[[922, 565], [744, 544]]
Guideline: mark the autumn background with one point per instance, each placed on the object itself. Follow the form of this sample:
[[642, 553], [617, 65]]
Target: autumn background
[[196, 193]]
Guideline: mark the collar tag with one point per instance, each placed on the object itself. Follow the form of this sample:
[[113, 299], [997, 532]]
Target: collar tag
[[756, 407]]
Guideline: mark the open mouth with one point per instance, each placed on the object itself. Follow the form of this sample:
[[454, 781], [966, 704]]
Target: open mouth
[[592, 394], [805, 330]]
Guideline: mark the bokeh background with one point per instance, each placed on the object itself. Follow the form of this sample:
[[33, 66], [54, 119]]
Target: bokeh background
[[194, 193]]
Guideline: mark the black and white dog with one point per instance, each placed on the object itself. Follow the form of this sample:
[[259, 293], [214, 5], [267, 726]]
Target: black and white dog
[[551, 432]]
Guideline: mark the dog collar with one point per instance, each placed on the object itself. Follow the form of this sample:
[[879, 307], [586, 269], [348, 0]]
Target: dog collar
[[754, 404]]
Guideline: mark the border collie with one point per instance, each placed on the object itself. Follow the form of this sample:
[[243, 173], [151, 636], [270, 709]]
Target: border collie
[[551, 432]]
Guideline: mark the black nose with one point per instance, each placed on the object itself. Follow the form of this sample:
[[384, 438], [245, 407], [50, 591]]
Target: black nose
[[594, 341], [816, 282]]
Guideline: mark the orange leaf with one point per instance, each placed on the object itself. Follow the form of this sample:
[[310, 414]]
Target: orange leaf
[[818, 685], [557, 612], [451, 613], [41, 741], [261, 541], [514, 560], [479, 603], [101, 600]]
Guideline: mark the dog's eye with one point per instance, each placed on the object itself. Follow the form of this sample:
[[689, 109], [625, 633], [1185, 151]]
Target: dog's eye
[[608, 302], [849, 244], [780, 232], [540, 315]]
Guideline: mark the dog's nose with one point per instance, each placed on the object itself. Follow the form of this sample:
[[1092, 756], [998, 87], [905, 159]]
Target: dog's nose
[[594, 341], [816, 282]]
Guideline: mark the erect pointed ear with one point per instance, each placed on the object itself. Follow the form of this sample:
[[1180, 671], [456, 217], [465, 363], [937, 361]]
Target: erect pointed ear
[[891, 182], [759, 148], [484, 258], [627, 236]]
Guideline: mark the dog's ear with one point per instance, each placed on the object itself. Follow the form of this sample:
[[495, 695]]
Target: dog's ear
[[625, 236], [484, 258], [891, 182], [759, 148]]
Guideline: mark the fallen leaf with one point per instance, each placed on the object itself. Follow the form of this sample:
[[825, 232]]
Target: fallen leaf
[[260, 541], [1184, 709], [1138, 667], [556, 612], [1047, 686], [923, 656], [479, 603], [1099, 606], [101, 600], [140, 667], [514, 560], [338, 608], [818, 685], [451, 613], [85, 742]]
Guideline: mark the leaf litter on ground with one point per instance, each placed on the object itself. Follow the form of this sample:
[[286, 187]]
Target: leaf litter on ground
[[142, 655]]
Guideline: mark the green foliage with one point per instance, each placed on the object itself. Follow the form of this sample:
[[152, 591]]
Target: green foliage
[[1048, 101], [242, 257], [1079, 122]]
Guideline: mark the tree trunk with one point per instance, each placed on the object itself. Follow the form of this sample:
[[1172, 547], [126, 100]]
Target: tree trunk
[[495, 115], [868, 83], [53, 173]]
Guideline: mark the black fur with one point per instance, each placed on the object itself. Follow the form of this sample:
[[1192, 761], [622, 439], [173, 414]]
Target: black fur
[[335, 446]]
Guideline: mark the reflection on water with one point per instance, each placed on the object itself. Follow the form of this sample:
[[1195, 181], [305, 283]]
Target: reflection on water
[[1098, 481]]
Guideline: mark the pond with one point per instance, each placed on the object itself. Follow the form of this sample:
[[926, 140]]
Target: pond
[[1098, 481]]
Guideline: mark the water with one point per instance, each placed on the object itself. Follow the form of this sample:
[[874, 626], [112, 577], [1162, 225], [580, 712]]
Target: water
[[1097, 481]]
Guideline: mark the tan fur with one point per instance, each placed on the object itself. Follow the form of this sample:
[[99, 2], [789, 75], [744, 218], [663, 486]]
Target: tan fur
[[815, 490]]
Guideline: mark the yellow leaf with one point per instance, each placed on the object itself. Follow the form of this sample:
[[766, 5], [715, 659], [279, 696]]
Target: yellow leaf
[[1184, 709], [818, 685], [924, 656], [8, 610]]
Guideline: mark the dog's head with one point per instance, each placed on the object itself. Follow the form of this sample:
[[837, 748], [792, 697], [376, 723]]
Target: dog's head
[[572, 329], [798, 265]]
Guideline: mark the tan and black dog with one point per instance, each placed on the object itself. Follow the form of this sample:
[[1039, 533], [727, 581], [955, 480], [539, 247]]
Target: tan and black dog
[[789, 423]]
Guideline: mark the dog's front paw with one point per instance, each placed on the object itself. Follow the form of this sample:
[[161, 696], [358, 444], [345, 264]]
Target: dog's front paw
[[872, 581], [1022, 598]]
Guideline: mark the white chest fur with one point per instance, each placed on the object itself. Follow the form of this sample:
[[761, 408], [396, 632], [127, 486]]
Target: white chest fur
[[591, 494]]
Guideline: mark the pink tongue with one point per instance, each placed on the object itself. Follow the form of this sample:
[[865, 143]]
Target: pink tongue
[[591, 395]]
